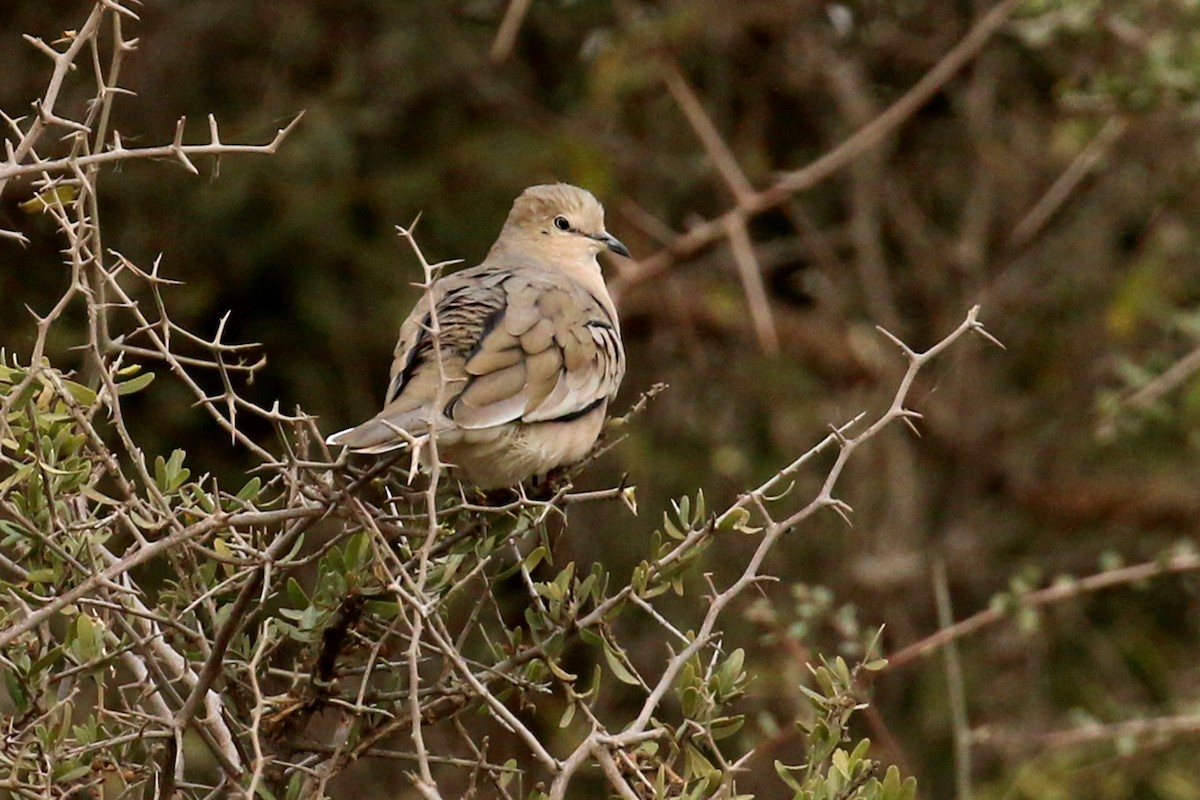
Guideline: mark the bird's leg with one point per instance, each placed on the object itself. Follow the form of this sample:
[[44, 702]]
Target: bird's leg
[[496, 497], [545, 487]]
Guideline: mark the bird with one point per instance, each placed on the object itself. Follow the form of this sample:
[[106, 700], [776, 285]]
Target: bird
[[527, 354]]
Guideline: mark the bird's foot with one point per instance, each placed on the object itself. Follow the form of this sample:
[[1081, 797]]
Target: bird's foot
[[545, 487]]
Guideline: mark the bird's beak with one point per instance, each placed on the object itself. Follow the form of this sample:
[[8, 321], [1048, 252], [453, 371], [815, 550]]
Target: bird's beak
[[611, 242]]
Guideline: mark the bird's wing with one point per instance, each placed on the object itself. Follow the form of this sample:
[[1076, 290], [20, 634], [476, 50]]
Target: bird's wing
[[526, 344], [420, 381], [550, 352]]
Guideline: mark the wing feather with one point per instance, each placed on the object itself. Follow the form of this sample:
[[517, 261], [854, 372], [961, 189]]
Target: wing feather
[[517, 344]]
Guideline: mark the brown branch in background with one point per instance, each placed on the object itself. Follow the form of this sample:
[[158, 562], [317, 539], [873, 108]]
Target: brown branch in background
[[714, 144], [1064, 590], [1160, 727], [976, 218], [752, 284], [1067, 183], [1170, 378], [739, 238], [815, 241], [867, 137], [955, 686], [646, 222], [867, 179], [510, 26]]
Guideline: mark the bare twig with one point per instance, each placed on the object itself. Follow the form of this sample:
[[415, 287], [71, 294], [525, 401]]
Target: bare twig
[[1154, 727], [1063, 590], [510, 26], [752, 285], [1060, 191], [954, 686], [866, 138]]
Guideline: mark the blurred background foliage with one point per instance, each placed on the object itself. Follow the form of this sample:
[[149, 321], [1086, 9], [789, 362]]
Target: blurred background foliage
[[1053, 180]]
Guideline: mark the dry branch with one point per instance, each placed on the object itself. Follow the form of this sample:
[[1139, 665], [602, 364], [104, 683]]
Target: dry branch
[[867, 137]]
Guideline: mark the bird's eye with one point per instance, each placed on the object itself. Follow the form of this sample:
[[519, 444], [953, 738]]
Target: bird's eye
[[561, 223]]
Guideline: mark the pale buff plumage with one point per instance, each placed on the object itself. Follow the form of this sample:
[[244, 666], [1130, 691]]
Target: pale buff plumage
[[530, 350]]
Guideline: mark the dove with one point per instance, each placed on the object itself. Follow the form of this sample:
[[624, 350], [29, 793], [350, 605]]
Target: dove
[[527, 353]]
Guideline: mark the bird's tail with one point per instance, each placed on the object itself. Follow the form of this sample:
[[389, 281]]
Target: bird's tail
[[378, 435]]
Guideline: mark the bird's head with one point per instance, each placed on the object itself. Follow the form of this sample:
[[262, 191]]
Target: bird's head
[[560, 220]]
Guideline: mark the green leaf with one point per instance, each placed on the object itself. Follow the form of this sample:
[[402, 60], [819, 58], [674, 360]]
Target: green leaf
[[840, 762], [843, 672], [358, 551], [48, 659], [510, 770], [689, 699], [825, 681], [86, 644], [697, 764], [860, 751], [736, 519], [619, 669], [295, 593], [892, 788], [71, 771], [135, 384], [250, 490], [560, 673], [45, 575], [724, 727], [683, 511], [536, 557], [589, 636], [22, 400], [49, 198], [169, 475], [383, 609], [16, 691], [729, 674], [785, 775], [83, 395]]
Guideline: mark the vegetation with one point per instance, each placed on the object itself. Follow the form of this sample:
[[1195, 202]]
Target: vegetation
[[195, 595]]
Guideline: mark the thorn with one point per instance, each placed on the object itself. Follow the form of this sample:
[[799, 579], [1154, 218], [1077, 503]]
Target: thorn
[[120, 9], [848, 424], [19, 237], [842, 509], [840, 437], [771, 498], [909, 353], [187, 162], [282, 133], [977, 328], [41, 45]]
